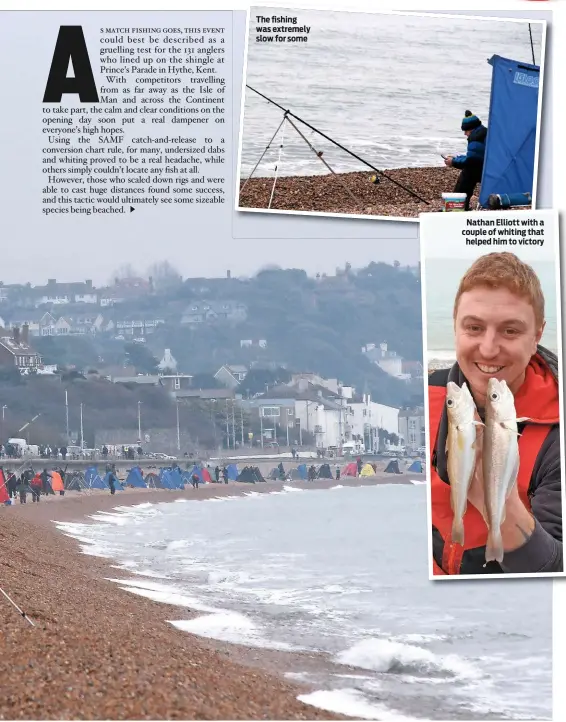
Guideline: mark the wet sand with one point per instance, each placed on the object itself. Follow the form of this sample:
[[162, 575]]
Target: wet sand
[[326, 193], [98, 652]]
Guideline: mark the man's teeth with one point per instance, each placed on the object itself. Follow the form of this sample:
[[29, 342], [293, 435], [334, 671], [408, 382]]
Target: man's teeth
[[489, 369]]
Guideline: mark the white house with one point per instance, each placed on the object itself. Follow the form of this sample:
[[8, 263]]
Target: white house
[[368, 416], [387, 360]]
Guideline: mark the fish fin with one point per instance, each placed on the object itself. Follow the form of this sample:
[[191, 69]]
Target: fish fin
[[458, 531], [494, 548], [503, 425]]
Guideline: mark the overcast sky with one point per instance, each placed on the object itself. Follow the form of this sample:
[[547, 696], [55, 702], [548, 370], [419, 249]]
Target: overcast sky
[[202, 241]]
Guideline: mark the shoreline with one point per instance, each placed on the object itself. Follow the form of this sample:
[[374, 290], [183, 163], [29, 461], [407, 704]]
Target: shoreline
[[97, 650], [325, 193]]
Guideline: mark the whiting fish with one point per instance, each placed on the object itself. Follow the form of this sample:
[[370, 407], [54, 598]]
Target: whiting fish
[[461, 451], [500, 461]]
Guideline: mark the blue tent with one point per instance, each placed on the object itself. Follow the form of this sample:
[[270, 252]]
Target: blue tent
[[509, 164], [416, 466], [165, 479], [90, 473], [96, 482], [135, 478], [233, 472], [302, 469], [176, 478]]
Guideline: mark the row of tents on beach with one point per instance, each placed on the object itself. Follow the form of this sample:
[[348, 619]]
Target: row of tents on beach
[[166, 478], [324, 471]]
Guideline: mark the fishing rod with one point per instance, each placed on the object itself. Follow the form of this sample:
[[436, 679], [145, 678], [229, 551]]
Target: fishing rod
[[346, 150], [532, 46], [23, 614]]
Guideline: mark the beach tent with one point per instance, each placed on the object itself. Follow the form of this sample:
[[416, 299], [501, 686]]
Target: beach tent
[[153, 481], [135, 478], [509, 164], [416, 466], [393, 467], [57, 482], [4, 496], [165, 481], [350, 469], [250, 474], [232, 470], [303, 471], [367, 470], [295, 474], [324, 472], [273, 474], [176, 478], [74, 481], [205, 475]]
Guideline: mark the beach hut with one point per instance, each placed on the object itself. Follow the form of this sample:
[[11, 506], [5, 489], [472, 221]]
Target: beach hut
[[367, 470], [350, 469], [509, 164], [393, 467], [135, 478], [416, 466]]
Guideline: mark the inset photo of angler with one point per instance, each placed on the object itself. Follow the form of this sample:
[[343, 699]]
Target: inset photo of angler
[[397, 134]]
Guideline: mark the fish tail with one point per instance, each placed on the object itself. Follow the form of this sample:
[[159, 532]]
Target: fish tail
[[494, 547], [458, 531]]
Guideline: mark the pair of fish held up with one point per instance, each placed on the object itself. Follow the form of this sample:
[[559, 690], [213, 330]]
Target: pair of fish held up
[[496, 449]]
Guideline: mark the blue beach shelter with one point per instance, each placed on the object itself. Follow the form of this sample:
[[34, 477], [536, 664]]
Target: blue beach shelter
[[509, 164], [416, 466], [233, 472], [135, 478], [302, 469]]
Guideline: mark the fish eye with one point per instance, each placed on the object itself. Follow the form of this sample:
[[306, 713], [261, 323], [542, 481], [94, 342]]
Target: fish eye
[[449, 402], [494, 396]]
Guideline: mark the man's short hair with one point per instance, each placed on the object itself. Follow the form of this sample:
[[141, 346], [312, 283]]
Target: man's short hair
[[504, 270]]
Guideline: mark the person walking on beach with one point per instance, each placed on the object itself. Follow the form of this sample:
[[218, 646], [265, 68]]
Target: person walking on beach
[[111, 482], [312, 473], [225, 474], [22, 489], [45, 477], [337, 473], [217, 473], [470, 165], [359, 464], [195, 480], [36, 485]]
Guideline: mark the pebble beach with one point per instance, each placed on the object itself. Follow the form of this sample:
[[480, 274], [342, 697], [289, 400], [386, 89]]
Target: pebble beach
[[97, 652], [327, 194]]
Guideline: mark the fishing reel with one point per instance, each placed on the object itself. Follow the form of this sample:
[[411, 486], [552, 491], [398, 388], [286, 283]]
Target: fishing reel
[[375, 179]]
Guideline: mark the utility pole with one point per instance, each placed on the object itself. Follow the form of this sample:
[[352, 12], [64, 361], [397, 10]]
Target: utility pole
[[2, 429], [227, 427], [82, 435], [67, 415], [178, 429], [139, 422], [242, 424], [233, 425], [261, 424]]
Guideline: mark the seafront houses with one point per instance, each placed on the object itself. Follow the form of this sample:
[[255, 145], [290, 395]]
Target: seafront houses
[[58, 294], [412, 427], [16, 351], [231, 375], [200, 312]]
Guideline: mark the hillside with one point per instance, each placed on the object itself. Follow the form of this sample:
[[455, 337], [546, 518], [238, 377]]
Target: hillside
[[309, 324]]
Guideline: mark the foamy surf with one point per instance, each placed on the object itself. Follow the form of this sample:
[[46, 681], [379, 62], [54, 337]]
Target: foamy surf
[[383, 655], [352, 703], [231, 627]]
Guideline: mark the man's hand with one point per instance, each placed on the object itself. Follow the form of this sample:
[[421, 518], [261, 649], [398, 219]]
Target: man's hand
[[448, 161], [519, 523]]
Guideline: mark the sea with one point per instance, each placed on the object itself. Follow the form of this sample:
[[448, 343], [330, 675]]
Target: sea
[[391, 88], [442, 276], [342, 574]]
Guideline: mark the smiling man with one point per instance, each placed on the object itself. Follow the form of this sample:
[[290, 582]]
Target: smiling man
[[498, 324]]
